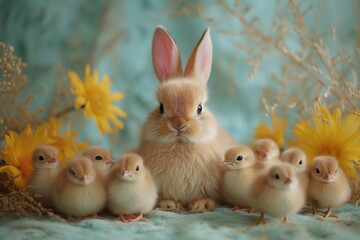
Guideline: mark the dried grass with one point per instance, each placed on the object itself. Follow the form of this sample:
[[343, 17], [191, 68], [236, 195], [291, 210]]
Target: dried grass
[[16, 203], [326, 73], [14, 113]]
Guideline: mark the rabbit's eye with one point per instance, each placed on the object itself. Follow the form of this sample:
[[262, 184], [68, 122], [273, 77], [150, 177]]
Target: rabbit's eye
[[300, 162], [72, 172], [161, 108], [277, 176], [317, 170], [239, 158], [41, 158], [199, 109], [137, 168], [98, 157]]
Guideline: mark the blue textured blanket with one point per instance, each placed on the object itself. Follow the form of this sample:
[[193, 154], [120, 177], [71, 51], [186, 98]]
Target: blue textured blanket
[[220, 224]]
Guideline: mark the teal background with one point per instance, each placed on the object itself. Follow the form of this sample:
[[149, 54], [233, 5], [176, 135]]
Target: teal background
[[53, 37]]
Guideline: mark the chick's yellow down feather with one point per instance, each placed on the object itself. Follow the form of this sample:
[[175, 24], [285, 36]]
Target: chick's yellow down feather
[[277, 193], [131, 191], [329, 186], [46, 168], [242, 170], [77, 191]]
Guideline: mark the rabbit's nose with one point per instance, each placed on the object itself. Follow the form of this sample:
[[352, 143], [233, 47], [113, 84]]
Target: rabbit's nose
[[178, 123]]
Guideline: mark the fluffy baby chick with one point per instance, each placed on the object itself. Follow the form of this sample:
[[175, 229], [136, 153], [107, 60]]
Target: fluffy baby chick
[[267, 152], [132, 191], [297, 158], [329, 186], [77, 191], [276, 192], [102, 160], [46, 167], [241, 172]]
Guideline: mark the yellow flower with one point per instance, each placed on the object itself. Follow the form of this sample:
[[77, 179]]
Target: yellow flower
[[17, 153], [331, 136], [276, 134], [66, 145], [95, 97]]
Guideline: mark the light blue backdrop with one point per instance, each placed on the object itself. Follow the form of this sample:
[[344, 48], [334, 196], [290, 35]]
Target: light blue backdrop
[[53, 37]]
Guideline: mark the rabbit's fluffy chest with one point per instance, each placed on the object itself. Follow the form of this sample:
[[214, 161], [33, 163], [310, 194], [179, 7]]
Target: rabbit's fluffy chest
[[184, 171]]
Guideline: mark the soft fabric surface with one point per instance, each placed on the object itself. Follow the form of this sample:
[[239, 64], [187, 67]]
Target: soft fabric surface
[[220, 224]]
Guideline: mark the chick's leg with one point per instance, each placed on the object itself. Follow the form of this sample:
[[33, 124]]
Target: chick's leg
[[132, 218], [248, 210], [261, 220], [329, 214], [234, 208]]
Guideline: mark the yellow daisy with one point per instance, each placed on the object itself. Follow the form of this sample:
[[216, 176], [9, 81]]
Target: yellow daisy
[[66, 145], [17, 153], [276, 134], [95, 97], [331, 136]]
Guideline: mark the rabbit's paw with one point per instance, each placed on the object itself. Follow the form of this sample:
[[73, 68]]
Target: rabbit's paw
[[171, 205], [202, 205]]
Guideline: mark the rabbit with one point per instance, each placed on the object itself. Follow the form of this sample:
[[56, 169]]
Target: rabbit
[[181, 141]]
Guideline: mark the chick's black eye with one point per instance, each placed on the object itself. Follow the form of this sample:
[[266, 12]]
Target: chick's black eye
[[239, 158], [199, 109], [41, 158], [161, 108], [317, 170], [300, 162], [98, 157], [277, 176], [137, 168]]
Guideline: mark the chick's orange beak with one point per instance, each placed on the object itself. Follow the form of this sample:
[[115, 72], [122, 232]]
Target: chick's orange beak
[[328, 177], [52, 160], [126, 173], [85, 178], [109, 161], [287, 180]]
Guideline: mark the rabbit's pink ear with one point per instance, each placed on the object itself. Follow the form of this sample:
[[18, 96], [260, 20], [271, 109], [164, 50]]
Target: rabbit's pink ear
[[199, 63], [165, 55]]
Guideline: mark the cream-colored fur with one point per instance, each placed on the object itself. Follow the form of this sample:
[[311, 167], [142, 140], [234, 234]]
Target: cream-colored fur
[[74, 197], [273, 196], [181, 142], [324, 193], [135, 193]]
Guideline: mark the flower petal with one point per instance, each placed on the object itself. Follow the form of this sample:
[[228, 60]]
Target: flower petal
[[15, 174]]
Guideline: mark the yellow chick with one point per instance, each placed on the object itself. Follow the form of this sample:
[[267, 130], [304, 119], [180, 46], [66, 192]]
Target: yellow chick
[[46, 167], [297, 158], [102, 160], [276, 192], [77, 191], [329, 186], [242, 169], [267, 152], [131, 191]]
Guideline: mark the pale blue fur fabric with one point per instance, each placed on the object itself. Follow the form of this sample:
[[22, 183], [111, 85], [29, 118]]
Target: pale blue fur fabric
[[220, 224], [54, 36]]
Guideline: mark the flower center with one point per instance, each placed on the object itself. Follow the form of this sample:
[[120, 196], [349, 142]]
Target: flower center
[[99, 100]]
